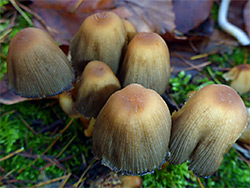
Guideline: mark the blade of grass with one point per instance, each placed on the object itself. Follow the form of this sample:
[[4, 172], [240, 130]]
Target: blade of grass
[[21, 12], [49, 182], [11, 154]]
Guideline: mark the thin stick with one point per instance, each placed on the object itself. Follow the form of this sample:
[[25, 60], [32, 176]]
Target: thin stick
[[27, 125], [11, 154], [199, 56], [81, 179], [50, 181], [198, 66], [72, 139], [39, 18], [5, 34], [65, 181], [79, 2], [21, 12], [200, 182], [66, 127]]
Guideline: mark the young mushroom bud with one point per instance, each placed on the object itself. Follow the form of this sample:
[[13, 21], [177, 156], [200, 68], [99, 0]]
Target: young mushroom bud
[[130, 29], [67, 104], [147, 62], [206, 127], [132, 131], [103, 37], [36, 66], [240, 78], [97, 83]]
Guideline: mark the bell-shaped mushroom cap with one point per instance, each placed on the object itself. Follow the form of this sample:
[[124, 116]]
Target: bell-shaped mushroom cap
[[132, 131], [130, 29], [36, 66], [245, 137], [97, 83], [240, 76], [146, 62], [103, 37], [206, 127]]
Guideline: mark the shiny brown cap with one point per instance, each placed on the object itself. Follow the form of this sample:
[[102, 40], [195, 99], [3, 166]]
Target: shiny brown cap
[[103, 37], [97, 83], [206, 127], [131, 133], [146, 62], [36, 66]]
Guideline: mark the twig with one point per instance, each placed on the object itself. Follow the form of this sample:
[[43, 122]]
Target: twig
[[52, 144], [21, 12], [60, 160], [65, 181], [199, 56], [197, 67], [2, 37], [11, 154], [79, 2], [7, 113], [200, 182], [27, 125], [81, 179], [65, 147], [49, 182], [39, 18], [6, 175]]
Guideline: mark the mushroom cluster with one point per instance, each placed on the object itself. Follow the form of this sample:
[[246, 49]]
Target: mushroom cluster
[[133, 132]]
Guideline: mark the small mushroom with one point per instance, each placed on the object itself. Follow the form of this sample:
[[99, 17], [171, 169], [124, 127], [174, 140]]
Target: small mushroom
[[36, 66], [67, 104], [146, 62], [206, 127], [130, 28], [97, 83], [240, 78], [102, 36], [132, 131]]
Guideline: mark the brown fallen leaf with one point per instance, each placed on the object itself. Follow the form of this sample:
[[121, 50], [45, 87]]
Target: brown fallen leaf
[[146, 15], [190, 14], [7, 96]]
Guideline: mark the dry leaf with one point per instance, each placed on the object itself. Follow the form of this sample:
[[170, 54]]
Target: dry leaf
[[7, 96], [190, 14], [146, 15]]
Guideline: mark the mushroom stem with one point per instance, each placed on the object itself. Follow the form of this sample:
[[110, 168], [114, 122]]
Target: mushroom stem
[[231, 29]]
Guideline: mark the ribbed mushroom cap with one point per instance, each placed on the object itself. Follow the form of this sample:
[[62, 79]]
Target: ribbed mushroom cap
[[206, 127], [132, 131], [103, 37], [240, 76], [36, 66], [146, 62], [97, 83], [245, 137], [130, 29]]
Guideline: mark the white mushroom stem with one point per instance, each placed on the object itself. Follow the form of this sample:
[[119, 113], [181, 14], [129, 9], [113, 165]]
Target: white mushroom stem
[[231, 29]]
